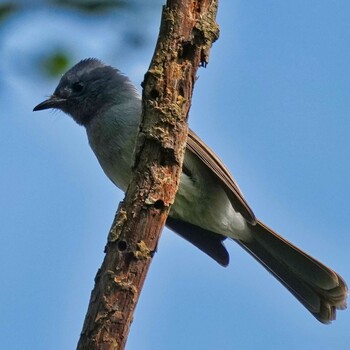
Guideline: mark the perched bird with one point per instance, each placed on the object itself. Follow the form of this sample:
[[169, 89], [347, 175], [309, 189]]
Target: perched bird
[[209, 206]]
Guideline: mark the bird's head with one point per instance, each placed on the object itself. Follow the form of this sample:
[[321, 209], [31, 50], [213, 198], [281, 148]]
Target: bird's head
[[88, 89]]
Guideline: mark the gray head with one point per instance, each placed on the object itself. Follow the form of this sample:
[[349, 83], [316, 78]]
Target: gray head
[[88, 89]]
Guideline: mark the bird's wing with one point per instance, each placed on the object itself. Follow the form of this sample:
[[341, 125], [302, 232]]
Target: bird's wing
[[208, 242], [196, 146]]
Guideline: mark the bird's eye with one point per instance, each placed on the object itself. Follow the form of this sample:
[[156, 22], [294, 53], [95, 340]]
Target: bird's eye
[[78, 87]]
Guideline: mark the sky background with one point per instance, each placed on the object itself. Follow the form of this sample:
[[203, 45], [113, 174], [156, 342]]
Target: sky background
[[274, 105]]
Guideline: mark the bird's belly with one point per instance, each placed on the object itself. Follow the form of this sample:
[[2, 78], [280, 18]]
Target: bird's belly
[[208, 207]]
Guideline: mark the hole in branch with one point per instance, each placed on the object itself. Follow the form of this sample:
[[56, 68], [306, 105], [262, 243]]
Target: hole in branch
[[167, 157], [181, 90], [122, 245], [187, 51], [159, 204], [154, 94]]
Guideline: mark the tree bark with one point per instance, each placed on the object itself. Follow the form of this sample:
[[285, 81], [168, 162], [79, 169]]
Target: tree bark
[[188, 29]]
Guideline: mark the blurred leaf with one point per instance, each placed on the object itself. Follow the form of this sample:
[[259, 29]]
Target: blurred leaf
[[6, 9], [56, 64], [92, 6]]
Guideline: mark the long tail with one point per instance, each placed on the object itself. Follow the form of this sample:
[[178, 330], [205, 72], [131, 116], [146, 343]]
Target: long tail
[[317, 287]]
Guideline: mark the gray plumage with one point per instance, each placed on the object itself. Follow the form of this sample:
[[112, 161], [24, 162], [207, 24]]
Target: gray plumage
[[209, 205]]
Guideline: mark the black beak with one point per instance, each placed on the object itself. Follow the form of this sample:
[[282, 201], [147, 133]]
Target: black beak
[[52, 102]]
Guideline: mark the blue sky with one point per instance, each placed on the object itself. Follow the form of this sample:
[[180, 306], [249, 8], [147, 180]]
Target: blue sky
[[274, 105]]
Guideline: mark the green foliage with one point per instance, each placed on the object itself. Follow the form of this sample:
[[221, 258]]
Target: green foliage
[[53, 57], [56, 64], [7, 9]]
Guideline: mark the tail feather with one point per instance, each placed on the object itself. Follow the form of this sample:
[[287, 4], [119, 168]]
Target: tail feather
[[317, 287]]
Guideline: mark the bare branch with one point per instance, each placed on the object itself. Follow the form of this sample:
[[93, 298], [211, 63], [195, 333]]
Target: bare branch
[[188, 29]]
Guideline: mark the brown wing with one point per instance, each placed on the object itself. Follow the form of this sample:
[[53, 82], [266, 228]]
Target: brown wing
[[196, 146]]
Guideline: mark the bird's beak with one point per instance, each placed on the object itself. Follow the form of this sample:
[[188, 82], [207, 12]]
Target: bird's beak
[[52, 102]]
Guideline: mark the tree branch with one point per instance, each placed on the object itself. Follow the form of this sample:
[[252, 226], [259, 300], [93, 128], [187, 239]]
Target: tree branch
[[188, 29]]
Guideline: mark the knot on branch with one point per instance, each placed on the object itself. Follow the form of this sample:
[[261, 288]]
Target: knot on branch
[[142, 251], [117, 225]]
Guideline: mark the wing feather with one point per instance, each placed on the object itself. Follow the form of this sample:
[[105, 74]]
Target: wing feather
[[197, 147]]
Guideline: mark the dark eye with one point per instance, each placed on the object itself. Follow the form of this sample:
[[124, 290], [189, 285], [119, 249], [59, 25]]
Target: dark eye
[[78, 87]]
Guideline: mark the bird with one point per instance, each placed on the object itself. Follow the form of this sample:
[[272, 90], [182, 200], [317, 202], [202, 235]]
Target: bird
[[209, 206]]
